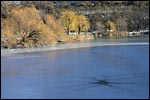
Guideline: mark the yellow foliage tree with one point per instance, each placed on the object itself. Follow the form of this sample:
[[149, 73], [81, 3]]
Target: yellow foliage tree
[[26, 19], [80, 23], [47, 36], [55, 25], [7, 33], [110, 25], [71, 21], [52, 31], [27, 27], [67, 18]]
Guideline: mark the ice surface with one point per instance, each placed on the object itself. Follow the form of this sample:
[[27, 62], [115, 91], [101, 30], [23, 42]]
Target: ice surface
[[74, 73]]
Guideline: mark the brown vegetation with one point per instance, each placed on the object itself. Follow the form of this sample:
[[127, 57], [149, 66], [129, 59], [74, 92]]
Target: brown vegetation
[[38, 23], [25, 28]]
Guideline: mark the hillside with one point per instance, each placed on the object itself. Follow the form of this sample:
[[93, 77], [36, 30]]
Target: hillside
[[38, 23]]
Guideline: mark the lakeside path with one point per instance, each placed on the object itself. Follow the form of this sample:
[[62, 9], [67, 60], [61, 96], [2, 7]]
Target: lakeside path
[[5, 52]]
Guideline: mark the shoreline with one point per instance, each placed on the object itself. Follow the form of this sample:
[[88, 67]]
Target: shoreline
[[5, 52]]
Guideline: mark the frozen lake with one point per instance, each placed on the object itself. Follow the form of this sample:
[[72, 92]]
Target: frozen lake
[[116, 71]]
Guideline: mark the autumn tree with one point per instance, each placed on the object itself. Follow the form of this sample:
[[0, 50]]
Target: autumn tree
[[71, 21], [26, 28], [80, 23], [55, 25], [7, 33], [67, 18], [110, 25], [27, 22], [55, 31]]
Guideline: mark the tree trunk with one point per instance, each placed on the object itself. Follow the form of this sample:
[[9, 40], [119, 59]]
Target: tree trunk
[[68, 30], [79, 30]]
